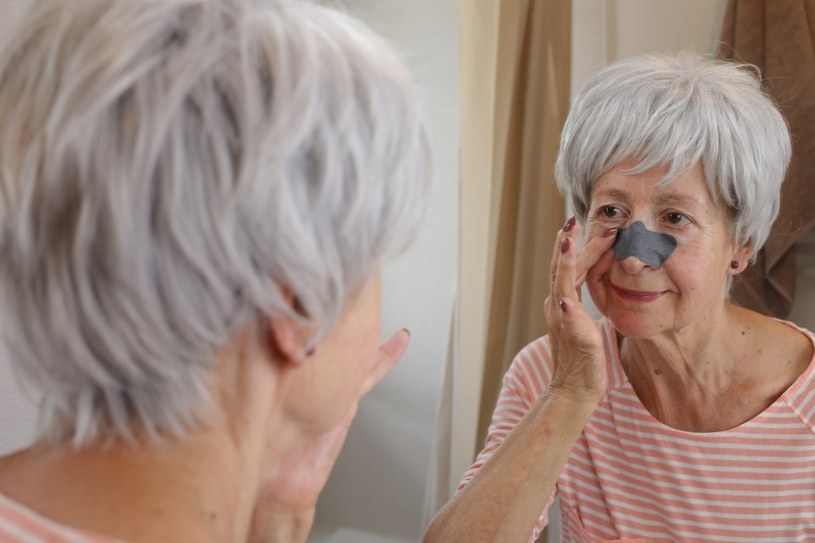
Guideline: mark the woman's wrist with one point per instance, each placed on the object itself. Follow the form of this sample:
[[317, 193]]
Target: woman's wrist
[[272, 524], [572, 410], [577, 397]]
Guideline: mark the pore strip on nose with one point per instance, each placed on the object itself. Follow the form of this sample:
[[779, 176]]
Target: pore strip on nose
[[650, 247]]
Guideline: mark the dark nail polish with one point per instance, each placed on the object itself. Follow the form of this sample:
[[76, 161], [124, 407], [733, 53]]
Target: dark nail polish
[[565, 245], [610, 232], [569, 224]]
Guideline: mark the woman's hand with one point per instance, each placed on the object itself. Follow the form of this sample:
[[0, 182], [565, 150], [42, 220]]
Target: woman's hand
[[577, 344], [285, 509]]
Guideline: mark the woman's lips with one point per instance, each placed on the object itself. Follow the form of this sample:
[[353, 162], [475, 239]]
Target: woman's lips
[[637, 295]]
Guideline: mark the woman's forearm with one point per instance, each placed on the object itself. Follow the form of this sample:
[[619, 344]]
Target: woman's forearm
[[506, 496]]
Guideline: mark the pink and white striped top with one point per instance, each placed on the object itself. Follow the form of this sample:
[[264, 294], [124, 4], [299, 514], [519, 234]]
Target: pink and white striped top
[[19, 524], [631, 478]]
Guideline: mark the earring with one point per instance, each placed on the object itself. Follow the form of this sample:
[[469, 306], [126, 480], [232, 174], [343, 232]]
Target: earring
[[310, 352], [734, 264]]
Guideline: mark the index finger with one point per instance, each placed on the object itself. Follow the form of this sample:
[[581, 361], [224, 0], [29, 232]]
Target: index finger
[[593, 252], [570, 229]]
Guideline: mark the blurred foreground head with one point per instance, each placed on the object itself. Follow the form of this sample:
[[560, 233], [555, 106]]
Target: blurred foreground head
[[172, 172]]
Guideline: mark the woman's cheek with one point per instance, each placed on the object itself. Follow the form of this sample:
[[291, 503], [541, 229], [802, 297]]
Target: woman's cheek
[[595, 279], [598, 294]]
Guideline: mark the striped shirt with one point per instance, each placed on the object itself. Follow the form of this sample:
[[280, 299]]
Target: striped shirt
[[19, 524], [630, 478]]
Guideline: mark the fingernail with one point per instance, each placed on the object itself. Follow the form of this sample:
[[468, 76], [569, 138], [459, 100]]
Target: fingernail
[[563, 306], [405, 330], [569, 224], [610, 232], [565, 245]]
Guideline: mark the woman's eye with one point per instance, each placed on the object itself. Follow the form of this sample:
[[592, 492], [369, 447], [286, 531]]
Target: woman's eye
[[674, 218], [610, 212]]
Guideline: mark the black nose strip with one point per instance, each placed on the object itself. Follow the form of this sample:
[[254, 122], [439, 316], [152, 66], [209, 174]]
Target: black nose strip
[[653, 248]]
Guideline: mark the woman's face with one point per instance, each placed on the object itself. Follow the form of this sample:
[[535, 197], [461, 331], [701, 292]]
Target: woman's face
[[330, 382], [690, 286]]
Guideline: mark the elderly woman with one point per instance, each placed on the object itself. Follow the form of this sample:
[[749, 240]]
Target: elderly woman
[[196, 199], [678, 416]]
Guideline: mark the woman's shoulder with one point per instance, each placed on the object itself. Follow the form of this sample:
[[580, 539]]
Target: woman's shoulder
[[28, 508], [20, 523], [783, 352], [780, 340]]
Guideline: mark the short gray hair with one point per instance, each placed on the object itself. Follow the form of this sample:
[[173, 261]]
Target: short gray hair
[[675, 111], [167, 167]]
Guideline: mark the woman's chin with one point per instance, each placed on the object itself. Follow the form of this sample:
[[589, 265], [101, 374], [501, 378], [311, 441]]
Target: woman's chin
[[635, 325]]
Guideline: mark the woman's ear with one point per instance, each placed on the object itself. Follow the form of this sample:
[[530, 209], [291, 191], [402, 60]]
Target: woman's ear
[[286, 337], [288, 340], [741, 259]]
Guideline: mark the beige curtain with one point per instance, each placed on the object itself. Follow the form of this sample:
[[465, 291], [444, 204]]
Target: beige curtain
[[534, 67], [514, 96]]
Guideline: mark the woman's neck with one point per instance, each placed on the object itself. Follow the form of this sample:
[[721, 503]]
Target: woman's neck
[[695, 353], [199, 488], [685, 378]]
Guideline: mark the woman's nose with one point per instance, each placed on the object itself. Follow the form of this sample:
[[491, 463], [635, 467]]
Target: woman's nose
[[633, 265], [637, 247]]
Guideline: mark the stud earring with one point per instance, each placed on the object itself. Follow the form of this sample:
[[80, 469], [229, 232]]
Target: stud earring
[[735, 264], [310, 352]]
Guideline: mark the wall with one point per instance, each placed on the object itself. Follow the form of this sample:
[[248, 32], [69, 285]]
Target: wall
[[606, 31]]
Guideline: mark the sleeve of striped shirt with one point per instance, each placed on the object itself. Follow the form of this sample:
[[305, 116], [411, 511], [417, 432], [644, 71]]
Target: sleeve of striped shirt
[[524, 382]]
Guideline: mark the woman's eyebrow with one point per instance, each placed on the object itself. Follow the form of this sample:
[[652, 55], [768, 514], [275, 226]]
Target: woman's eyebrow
[[673, 198], [664, 198], [615, 194]]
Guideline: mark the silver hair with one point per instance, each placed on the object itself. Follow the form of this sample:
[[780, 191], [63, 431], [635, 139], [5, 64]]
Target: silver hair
[[167, 169], [675, 111]]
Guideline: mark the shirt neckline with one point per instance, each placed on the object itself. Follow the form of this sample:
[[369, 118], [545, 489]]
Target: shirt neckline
[[787, 398]]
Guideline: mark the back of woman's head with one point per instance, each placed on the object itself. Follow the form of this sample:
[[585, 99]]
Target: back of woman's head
[[167, 168]]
